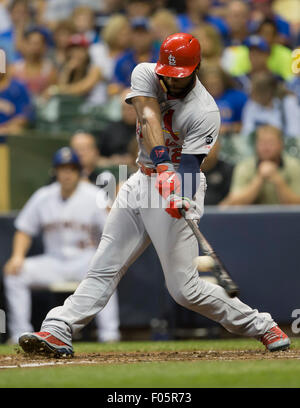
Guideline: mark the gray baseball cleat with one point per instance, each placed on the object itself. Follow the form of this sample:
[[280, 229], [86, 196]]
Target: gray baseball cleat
[[46, 344]]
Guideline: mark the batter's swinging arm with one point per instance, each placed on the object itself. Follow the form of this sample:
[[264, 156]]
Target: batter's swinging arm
[[218, 270]]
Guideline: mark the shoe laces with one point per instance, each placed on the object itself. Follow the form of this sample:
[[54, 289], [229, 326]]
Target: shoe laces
[[272, 334]]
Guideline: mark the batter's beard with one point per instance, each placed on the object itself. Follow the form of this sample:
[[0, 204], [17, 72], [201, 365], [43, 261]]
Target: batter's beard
[[184, 92]]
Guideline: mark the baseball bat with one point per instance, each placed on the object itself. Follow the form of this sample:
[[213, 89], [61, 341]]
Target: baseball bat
[[218, 270]]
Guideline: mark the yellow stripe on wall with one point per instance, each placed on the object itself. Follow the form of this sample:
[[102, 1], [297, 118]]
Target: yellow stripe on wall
[[4, 178]]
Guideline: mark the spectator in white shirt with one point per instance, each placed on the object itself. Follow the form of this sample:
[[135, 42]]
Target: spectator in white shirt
[[271, 104]]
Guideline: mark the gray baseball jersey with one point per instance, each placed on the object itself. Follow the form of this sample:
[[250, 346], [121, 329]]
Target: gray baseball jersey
[[190, 124]]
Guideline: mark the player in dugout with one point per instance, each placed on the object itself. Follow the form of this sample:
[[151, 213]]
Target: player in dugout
[[68, 215]]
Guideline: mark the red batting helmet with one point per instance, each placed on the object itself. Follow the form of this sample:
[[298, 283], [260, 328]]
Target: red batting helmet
[[179, 56]]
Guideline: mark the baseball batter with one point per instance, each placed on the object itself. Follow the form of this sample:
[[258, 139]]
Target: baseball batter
[[71, 222], [178, 123]]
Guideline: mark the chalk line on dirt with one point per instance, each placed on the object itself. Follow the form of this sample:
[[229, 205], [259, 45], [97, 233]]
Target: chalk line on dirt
[[52, 363]]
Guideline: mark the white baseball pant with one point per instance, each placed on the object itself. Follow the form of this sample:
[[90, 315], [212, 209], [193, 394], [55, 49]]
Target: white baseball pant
[[129, 229], [41, 271]]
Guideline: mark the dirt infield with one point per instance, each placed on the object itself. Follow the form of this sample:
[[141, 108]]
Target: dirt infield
[[22, 360]]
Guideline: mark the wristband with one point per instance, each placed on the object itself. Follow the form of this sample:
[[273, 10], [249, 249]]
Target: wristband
[[160, 154]]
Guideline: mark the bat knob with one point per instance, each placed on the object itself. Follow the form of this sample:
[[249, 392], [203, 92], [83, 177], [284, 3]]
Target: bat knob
[[230, 287], [232, 290]]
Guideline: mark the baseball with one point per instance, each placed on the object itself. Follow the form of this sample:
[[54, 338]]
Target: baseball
[[204, 263]]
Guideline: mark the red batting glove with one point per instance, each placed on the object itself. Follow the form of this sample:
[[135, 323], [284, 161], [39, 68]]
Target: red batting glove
[[167, 180], [175, 203]]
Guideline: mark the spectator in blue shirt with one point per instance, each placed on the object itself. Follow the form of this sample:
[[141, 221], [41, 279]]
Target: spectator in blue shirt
[[237, 17], [259, 54], [262, 9], [16, 110], [197, 12], [294, 85], [139, 8], [270, 103], [19, 17], [229, 99], [142, 50]]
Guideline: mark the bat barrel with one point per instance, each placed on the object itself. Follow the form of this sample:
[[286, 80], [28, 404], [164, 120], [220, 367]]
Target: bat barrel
[[219, 270]]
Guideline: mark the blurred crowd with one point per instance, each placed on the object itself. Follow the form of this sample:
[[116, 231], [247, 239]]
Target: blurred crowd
[[85, 50]]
